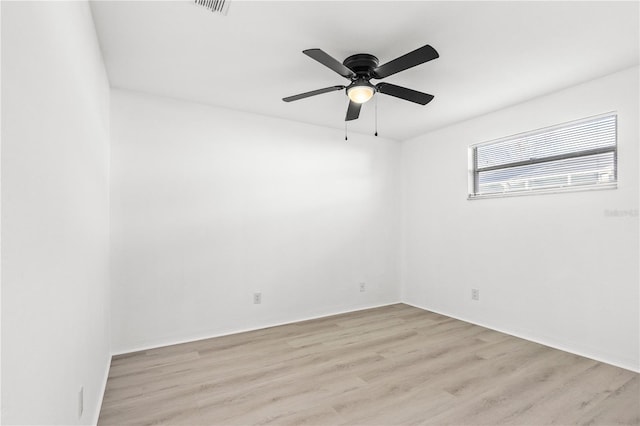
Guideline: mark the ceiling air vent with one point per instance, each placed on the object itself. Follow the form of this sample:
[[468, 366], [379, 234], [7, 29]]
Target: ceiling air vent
[[219, 6]]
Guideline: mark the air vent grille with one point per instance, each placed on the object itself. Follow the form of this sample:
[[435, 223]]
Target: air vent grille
[[219, 6]]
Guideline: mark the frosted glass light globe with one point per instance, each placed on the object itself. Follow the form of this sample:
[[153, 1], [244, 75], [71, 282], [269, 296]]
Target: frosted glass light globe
[[360, 94]]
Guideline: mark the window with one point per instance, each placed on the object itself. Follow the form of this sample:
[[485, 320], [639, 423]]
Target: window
[[571, 156]]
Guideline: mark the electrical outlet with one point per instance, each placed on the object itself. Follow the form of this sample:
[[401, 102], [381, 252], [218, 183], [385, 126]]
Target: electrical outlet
[[80, 402], [475, 294], [257, 298], [362, 287]]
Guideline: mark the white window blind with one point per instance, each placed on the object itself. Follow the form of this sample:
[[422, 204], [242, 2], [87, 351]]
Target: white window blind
[[575, 155]]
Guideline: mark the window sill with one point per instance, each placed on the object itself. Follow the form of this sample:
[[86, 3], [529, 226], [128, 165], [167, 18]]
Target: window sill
[[558, 190]]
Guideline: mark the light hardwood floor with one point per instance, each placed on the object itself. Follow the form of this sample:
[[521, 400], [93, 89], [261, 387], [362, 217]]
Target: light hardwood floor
[[386, 366]]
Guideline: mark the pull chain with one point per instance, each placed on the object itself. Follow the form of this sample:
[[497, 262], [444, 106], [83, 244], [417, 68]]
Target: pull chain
[[345, 131], [376, 113]]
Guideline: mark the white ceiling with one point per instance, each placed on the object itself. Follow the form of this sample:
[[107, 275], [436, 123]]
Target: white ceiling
[[492, 54]]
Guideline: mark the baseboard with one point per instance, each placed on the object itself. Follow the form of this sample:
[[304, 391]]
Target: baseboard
[[171, 342], [96, 415], [629, 367]]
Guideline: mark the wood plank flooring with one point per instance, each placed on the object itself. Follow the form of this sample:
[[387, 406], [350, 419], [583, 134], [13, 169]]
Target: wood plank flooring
[[393, 365]]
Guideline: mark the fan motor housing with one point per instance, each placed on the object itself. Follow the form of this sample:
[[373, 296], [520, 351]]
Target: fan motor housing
[[362, 64]]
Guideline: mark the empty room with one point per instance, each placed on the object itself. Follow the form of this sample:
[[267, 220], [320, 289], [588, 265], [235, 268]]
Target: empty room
[[230, 212]]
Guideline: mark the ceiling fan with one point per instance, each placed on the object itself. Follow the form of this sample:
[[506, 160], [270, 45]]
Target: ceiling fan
[[363, 67]]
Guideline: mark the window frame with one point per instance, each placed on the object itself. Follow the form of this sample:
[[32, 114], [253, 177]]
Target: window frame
[[474, 172]]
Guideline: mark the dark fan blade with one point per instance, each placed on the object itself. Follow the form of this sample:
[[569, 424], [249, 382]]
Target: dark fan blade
[[404, 93], [312, 93], [411, 59], [353, 112], [329, 62]]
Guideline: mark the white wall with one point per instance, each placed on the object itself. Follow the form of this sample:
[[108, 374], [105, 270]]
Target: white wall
[[0, 219], [55, 150], [211, 205], [551, 268]]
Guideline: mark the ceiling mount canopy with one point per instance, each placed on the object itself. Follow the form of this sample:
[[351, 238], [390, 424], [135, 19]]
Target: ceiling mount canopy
[[363, 67]]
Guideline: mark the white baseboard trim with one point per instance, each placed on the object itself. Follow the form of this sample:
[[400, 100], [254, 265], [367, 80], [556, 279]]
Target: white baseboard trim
[[629, 366], [96, 415], [171, 342]]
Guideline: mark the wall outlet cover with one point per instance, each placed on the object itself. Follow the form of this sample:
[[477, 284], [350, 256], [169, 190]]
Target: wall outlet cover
[[475, 294]]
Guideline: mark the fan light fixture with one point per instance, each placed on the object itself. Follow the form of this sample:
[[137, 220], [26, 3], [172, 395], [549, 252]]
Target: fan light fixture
[[360, 68], [360, 93]]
